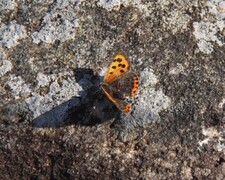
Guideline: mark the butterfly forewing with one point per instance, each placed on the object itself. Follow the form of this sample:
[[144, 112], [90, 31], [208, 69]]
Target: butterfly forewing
[[119, 66]]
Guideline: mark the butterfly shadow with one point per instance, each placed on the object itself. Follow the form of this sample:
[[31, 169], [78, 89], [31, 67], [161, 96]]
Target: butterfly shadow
[[89, 108]]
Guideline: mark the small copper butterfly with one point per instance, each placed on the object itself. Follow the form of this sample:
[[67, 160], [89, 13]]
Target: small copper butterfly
[[120, 82]]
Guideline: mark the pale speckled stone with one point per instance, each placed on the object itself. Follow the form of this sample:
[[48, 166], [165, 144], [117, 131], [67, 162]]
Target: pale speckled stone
[[11, 34], [5, 65], [7, 5], [57, 94], [58, 24], [207, 31], [18, 87]]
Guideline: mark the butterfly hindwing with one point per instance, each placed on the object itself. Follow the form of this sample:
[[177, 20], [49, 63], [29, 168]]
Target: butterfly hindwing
[[116, 97], [112, 92], [119, 66], [127, 84]]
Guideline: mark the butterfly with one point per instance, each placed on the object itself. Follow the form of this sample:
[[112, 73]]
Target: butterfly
[[120, 82]]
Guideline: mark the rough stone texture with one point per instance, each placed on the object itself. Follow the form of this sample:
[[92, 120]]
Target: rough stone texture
[[55, 123]]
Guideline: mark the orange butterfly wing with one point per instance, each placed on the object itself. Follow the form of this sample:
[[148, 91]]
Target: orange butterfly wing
[[119, 66]]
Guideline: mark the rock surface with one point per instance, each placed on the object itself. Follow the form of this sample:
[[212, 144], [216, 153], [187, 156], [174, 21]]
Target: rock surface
[[56, 123]]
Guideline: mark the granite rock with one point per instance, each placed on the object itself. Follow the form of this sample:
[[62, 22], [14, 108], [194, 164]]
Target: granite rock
[[56, 123]]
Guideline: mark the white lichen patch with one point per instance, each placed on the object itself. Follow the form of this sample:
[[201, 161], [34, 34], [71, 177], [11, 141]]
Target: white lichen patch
[[61, 88], [58, 24], [205, 46], [207, 32], [213, 135], [5, 65], [11, 34], [174, 14], [222, 104], [217, 8], [178, 69], [149, 101], [57, 94], [145, 7], [47, 111], [176, 21], [7, 4], [111, 4], [42, 80], [18, 87]]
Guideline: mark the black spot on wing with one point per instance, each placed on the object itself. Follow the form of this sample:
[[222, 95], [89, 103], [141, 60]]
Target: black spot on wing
[[122, 65]]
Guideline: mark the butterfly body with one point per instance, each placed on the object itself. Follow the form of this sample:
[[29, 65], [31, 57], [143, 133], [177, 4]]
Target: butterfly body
[[119, 82]]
